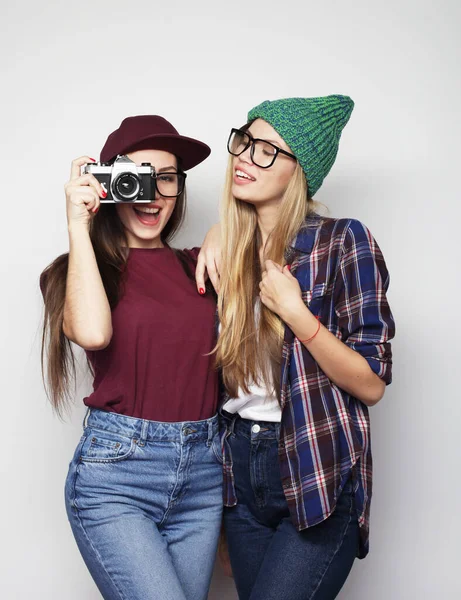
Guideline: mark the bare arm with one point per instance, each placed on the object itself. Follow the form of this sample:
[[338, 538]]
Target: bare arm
[[281, 293], [344, 366], [209, 259], [87, 315]]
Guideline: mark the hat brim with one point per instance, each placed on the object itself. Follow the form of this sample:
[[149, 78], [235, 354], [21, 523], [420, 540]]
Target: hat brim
[[191, 152]]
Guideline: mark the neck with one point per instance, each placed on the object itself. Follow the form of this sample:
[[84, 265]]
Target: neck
[[135, 242], [267, 219]]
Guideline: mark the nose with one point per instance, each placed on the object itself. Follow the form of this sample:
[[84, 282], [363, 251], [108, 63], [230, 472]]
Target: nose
[[246, 156]]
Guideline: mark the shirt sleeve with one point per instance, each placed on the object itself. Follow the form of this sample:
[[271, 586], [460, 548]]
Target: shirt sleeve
[[361, 305], [192, 253]]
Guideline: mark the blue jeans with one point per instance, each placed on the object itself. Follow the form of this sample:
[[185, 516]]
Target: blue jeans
[[144, 500], [270, 558]]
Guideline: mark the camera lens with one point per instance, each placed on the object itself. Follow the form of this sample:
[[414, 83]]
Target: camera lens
[[126, 187]]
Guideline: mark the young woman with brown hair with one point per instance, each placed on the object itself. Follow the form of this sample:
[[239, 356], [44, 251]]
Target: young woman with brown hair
[[144, 488]]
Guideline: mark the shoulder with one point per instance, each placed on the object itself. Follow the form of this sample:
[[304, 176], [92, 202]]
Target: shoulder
[[320, 231], [342, 228], [345, 233], [191, 253], [359, 254]]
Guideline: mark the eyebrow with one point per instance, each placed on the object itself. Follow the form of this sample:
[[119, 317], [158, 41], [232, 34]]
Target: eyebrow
[[270, 141], [264, 139], [167, 169]]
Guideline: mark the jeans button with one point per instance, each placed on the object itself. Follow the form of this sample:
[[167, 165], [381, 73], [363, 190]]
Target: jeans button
[[255, 428]]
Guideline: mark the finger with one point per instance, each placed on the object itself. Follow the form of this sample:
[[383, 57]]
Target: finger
[[217, 261], [85, 195], [77, 164], [213, 274], [88, 200], [287, 271], [273, 266], [263, 299], [267, 302], [97, 205], [90, 180], [200, 273]]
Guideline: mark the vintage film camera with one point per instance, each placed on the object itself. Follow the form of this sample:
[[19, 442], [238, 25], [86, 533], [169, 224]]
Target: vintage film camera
[[124, 181]]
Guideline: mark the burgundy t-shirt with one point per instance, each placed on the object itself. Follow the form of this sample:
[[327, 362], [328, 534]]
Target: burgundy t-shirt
[[156, 366]]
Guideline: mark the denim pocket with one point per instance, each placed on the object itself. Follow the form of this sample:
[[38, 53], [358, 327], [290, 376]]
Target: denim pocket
[[106, 446]]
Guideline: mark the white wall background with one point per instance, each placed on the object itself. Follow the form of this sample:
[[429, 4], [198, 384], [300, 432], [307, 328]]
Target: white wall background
[[71, 71]]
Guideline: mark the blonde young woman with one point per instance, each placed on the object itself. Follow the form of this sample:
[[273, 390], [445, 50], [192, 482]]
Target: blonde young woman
[[144, 488], [304, 350]]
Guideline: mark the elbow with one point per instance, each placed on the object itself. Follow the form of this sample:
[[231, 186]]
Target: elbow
[[88, 341], [98, 342], [374, 392]]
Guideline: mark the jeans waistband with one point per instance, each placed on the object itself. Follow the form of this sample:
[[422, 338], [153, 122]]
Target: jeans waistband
[[150, 431], [254, 430]]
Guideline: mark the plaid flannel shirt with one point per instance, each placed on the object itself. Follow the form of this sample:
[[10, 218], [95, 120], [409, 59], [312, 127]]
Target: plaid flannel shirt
[[325, 432]]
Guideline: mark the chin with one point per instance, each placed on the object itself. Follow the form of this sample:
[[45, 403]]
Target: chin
[[145, 236], [240, 194]]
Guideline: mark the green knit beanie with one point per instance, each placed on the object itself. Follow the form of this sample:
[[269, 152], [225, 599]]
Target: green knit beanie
[[311, 127]]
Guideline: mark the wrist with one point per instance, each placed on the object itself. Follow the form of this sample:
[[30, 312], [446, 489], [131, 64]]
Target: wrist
[[78, 229], [294, 312]]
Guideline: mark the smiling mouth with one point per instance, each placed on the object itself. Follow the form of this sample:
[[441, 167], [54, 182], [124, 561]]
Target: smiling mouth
[[147, 215], [242, 175], [147, 210]]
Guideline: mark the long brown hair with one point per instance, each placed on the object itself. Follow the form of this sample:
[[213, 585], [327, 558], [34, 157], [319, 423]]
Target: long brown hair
[[250, 351], [109, 241]]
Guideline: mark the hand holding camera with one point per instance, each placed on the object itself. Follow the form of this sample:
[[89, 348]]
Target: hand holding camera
[[122, 181], [83, 194]]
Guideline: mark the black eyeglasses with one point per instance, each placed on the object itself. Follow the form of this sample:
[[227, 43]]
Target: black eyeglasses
[[169, 185], [262, 153]]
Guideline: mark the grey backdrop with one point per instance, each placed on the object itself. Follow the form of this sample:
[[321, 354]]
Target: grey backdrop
[[70, 73]]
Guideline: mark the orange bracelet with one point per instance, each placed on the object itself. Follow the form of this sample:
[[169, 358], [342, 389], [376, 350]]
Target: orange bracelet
[[312, 336]]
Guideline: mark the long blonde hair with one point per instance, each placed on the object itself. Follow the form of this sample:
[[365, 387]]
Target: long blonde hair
[[250, 351]]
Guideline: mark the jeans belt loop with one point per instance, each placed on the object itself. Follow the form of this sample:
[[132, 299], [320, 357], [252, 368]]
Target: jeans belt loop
[[144, 429], [85, 419], [210, 432], [231, 427]]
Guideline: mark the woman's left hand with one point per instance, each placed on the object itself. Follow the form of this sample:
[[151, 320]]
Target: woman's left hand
[[209, 260], [280, 291]]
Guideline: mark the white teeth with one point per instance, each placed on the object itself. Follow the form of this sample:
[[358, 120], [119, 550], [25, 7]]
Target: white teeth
[[145, 209], [242, 174]]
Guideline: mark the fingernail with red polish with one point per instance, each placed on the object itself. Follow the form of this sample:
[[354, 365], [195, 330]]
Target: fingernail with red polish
[[93, 159], [201, 291], [103, 193], [289, 267]]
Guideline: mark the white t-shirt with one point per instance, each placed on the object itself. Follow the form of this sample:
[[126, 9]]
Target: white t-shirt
[[260, 404]]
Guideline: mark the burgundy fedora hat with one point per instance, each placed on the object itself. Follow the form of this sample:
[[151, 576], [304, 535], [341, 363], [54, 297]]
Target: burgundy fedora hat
[[152, 131]]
